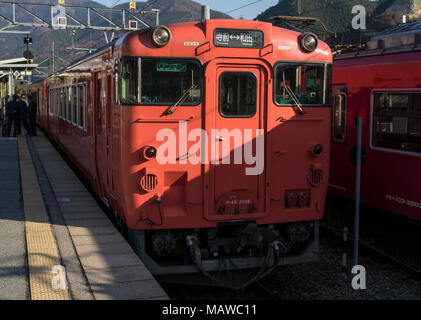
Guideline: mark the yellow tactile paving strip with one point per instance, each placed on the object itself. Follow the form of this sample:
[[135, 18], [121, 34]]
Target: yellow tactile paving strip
[[41, 246]]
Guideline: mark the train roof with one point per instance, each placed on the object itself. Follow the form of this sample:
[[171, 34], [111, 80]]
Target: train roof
[[398, 39]]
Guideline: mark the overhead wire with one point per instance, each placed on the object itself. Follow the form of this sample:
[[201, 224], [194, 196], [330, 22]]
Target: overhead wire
[[244, 6]]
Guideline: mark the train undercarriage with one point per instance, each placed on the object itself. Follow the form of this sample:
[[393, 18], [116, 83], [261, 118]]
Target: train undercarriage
[[214, 253]]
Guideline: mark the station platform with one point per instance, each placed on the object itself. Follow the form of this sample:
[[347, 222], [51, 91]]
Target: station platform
[[56, 243]]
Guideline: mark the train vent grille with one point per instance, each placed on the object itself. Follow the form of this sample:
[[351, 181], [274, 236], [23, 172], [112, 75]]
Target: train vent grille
[[315, 177], [149, 182]]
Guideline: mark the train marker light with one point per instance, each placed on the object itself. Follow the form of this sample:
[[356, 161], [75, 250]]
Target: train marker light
[[308, 42], [149, 153], [161, 36], [316, 150]]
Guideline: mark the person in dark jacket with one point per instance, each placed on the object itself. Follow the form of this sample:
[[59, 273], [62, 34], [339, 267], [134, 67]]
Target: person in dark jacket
[[32, 110], [12, 116], [22, 114]]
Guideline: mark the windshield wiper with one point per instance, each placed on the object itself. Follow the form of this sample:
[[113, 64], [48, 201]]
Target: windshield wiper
[[292, 94], [181, 100]]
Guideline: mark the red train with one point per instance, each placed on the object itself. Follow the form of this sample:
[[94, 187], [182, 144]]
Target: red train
[[382, 85], [210, 140]]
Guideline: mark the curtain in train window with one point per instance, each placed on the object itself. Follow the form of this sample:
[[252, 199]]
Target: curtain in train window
[[339, 117], [237, 94], [129, 80], [397, 121]]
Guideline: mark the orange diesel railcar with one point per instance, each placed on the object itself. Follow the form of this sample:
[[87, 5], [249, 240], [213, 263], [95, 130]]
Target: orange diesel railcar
[[209, 140]]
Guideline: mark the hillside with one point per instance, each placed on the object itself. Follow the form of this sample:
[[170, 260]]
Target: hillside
[[337, 14], [171, 11]]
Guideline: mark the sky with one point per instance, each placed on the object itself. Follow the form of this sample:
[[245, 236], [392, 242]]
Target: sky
[[249, 12]]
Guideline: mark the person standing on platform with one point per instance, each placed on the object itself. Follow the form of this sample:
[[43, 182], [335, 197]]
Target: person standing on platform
[[32, 109], [22, 114], [12, 116]]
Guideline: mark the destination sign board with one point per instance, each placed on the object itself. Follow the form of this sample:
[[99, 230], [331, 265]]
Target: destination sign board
[[238, 38]]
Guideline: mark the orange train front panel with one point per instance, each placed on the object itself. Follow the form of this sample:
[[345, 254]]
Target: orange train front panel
[[236, 147]]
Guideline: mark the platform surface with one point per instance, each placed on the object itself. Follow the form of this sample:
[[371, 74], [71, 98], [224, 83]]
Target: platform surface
[[13, 267], [98, 261]]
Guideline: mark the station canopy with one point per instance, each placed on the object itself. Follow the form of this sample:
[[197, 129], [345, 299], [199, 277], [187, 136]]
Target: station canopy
[[17, 66]]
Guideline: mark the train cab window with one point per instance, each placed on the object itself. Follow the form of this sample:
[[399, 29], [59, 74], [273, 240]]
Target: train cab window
[[397, 121], [237, 94], [129, 83], [307, 83], [166, 82], [339, 117]]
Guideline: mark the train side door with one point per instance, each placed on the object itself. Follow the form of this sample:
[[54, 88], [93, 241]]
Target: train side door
[[108, 122], [100, 167], [340, 163], [103, 131], [237, 143]]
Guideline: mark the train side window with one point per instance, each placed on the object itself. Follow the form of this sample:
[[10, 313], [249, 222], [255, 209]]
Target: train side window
[[69, 104], [65, 94], [50, 101], [74, 105], [397, 121], [56, 101], [81, 106], [60, 110], [116, 79], [339, 117], [237, 94], [129, 84]]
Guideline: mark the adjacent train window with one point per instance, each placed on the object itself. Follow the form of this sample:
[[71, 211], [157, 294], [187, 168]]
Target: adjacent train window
[[166, 82], [397, 121], [309, 84], [237, 94], [339, 117]]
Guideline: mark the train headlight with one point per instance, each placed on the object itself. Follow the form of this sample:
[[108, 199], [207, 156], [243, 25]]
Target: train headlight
[[308, 41], [316, 150], [161, 36], [148, 153]]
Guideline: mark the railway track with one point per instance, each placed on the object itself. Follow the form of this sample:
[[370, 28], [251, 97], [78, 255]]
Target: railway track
[[365, 244]]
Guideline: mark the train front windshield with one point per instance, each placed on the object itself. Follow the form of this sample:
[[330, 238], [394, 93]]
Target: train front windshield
[[160, 81], [307, 83]]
